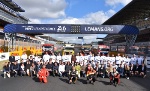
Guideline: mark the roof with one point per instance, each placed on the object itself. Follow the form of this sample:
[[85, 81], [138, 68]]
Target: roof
[[133, 13], [12, 5], [47, 44], [136, 9]]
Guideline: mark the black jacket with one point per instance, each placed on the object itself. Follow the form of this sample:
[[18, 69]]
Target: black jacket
[[144, 70], [49, 66], [68, 67], [55, 67], [12, 58], [102, 69], [15, 67]]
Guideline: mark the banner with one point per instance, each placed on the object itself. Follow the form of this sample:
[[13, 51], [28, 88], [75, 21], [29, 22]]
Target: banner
[[70, 29], [4, 56]]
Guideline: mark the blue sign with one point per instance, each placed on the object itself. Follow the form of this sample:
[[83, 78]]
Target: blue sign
[[70, 29]]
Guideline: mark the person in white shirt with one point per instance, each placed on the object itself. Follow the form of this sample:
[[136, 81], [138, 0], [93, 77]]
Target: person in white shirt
[[89, 56], [114, 65], [39, 59], [85, 58], [92, 58], [123, 59], [61, 69], [77, 58], [133, 60], [127, 60], [108, 58], [46, 57], [24, 57], [22, 70], [59, 57], [33, 56], [69, 58], [145, 60], [36, 57], [17, 57], [103, 59], [66, 58], [139, 60], [53, 57], [118, 60], [112, 59], [81, 58], [97, 58]]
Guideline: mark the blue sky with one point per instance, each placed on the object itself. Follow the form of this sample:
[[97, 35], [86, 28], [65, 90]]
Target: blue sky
[[71, 12], [80, 8]]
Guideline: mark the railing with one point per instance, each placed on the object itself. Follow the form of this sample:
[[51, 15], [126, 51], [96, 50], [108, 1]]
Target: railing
[[11, 19]]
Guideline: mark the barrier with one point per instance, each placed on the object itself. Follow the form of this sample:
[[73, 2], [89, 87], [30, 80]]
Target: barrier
[[148, 60], [4, 56]]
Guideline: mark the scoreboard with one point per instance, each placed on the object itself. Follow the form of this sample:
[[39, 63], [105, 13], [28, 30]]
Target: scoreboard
[[70, 29]]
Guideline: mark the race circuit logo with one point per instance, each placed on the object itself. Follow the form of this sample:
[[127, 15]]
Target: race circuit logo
[[28, 27], [2, 56]]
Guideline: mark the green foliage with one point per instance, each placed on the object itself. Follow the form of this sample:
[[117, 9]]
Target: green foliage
[[28, 52]]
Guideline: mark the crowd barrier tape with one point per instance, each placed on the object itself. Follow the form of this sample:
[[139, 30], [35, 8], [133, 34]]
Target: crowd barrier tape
[[148, 60], [4, 56]]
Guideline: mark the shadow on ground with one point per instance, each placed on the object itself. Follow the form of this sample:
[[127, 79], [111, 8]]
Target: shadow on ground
[[36, 79], [82, 81], [64, 80]]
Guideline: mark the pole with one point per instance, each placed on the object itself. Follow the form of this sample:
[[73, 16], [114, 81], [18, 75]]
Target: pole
[[82, 41]]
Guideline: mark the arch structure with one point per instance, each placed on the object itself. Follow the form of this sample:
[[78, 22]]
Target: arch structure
[[129, 31]]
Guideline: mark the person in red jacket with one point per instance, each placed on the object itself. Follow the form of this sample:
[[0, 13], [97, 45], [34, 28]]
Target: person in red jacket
[[43, 74]]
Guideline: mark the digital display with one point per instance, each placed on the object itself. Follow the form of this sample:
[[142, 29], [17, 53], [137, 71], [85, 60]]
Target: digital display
[[75, 29]]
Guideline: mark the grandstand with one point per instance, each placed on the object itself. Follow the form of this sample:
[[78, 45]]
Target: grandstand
[[136, 13], [10, 14]]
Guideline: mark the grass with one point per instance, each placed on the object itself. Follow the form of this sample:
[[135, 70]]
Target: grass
[[2, 63]]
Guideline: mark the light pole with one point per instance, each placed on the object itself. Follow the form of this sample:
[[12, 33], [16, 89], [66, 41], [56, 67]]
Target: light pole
[[82, 40], [32, 42], [39, 44], [24, 42]]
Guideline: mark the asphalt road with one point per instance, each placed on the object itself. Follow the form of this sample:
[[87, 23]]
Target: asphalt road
[[61, 84]]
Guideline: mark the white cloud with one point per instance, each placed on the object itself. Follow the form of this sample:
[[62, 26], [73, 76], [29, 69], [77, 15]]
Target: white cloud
[[43, 9], [39, 10], [35, 21], [92, 18], [73, 38], [116, 2]]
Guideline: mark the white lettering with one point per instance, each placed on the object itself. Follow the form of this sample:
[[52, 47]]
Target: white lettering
[[38, 28], [98, 28], [61, 29]]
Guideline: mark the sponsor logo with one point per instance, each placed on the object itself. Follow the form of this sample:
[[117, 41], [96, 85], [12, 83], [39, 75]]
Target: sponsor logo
[[99, 29], [2, 56], [38, 28]]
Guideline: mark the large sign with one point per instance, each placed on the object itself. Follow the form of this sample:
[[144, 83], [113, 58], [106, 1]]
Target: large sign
[[70, 29], [4, 56]]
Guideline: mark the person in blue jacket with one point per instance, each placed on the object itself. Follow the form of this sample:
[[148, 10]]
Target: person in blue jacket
[[6, 69], [15, 69]]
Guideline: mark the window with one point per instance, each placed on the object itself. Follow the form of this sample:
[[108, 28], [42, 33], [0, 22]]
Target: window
[[113, 48], [121, 48]]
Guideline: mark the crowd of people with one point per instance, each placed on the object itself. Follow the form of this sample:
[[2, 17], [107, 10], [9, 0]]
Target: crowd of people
[[90, 66]]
